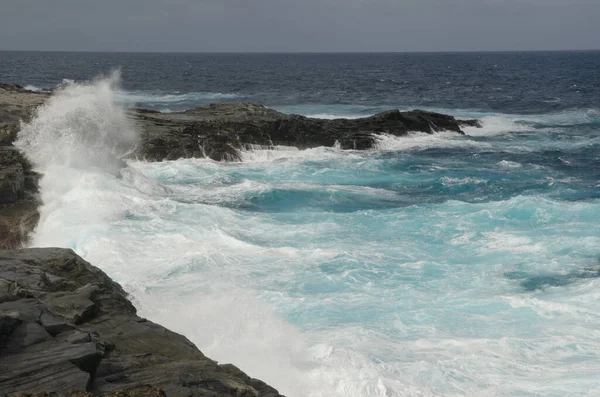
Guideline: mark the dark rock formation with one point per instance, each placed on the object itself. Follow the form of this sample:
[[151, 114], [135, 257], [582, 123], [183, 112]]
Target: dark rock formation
[[18, 182], [220, 131], [16, 104], [18, 198], [65, 325]]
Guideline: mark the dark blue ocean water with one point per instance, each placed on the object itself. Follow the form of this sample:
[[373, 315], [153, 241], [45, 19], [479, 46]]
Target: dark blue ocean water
[[434, 265], [496, 82]]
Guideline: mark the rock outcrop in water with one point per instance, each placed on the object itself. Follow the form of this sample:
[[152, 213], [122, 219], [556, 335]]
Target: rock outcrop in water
[[65, 325], [220, 131]]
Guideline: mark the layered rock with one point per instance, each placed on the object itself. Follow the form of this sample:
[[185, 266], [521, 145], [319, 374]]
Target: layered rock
[[65, 325]]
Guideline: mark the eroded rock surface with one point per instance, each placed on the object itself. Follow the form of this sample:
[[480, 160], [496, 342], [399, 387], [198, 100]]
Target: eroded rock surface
[[65, 325]]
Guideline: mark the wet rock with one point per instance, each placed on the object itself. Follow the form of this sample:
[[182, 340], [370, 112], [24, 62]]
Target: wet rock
[[18, 181], [18, 198], [12, 178], [221, 131], [78, 337], [54, 324]]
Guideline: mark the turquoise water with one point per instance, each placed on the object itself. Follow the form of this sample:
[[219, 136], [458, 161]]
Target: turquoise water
[[434, 265], [448, 267]]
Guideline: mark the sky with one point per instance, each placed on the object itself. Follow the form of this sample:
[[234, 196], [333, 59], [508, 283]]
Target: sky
[[299, 25]]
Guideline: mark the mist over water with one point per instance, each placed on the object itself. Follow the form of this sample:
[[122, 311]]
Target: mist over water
[[435, 265]]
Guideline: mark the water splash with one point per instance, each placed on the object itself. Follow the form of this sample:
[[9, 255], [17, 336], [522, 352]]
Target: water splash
[[77, 138], [80, 126]]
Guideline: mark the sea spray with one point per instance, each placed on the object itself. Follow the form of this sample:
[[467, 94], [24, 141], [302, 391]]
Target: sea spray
[[80, 126], [73, 139]]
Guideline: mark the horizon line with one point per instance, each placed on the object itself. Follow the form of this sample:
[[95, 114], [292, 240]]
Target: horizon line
[[302, 52]]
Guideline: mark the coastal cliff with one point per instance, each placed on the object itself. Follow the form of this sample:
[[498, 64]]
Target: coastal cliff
[[65, 325]]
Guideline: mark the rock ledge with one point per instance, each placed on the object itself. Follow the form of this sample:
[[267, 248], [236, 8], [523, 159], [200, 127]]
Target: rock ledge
[[65, 325]]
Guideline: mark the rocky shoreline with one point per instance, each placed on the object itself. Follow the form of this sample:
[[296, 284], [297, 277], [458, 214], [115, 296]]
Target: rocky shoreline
[[66, 326]]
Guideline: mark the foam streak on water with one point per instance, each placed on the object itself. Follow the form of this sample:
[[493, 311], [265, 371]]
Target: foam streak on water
[[436, 265]]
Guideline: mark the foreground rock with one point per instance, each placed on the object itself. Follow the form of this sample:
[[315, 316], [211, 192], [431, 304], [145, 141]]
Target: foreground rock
[[65, 325]]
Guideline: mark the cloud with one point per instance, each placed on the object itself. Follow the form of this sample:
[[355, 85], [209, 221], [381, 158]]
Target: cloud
[[310, 25]]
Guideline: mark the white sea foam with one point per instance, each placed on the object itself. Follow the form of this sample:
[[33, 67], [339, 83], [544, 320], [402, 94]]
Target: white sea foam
[[286, 153], [258, 153], [422, 141], [33, 88], [498, 125], [447, 181], [159, 98], [509, 164], [328, 116], [565, 118], [504, 241]]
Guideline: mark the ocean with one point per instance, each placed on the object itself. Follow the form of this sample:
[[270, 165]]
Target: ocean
[[434, 265]]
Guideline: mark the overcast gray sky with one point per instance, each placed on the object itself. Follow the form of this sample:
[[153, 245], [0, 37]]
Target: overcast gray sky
[[299, 25]]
